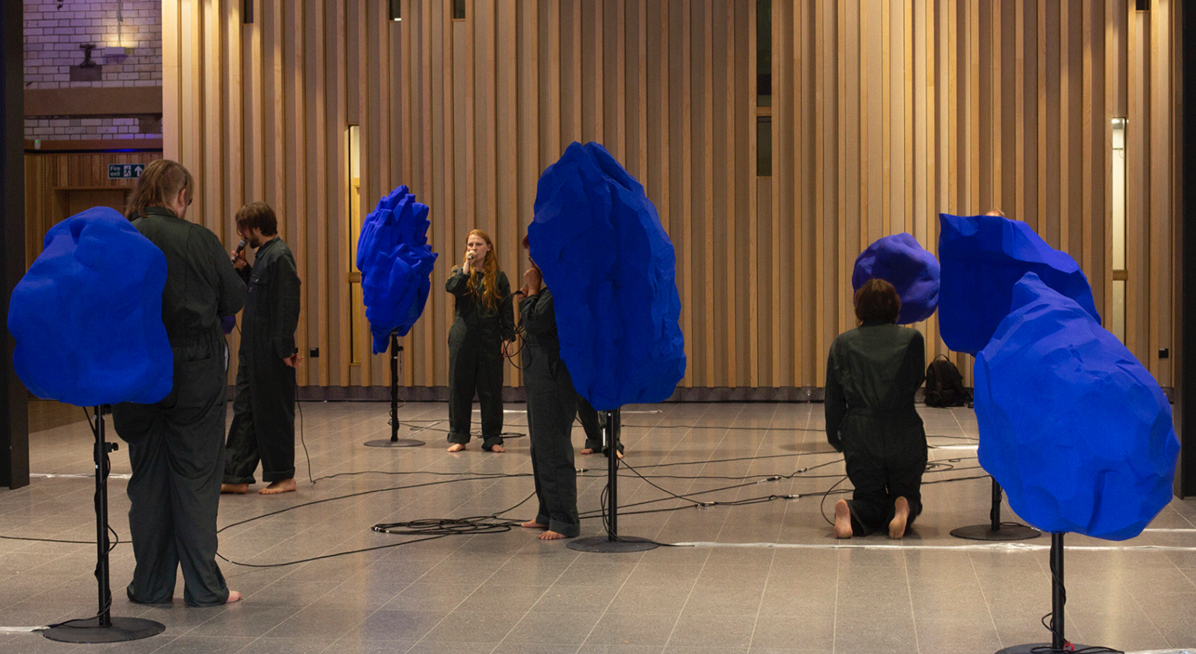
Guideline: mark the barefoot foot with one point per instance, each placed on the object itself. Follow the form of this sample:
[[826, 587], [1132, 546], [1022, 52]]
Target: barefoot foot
[[532, 524], [497, 448], [456, 447], [233, 596], [588, 450], [842, 520], [238, 489], [551, 535], [900, 518], [284, 486]]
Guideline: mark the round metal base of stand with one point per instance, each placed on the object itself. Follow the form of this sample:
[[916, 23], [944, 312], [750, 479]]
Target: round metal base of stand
[[1040, 648], [90, 631], [606, 545], [402, 442], [1008, 531]]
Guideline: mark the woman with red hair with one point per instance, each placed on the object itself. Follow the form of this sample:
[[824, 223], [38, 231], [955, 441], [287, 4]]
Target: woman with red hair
[[483, 328]]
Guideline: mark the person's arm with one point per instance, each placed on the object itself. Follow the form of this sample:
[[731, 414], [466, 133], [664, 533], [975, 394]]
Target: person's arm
[[506, 311], [230, 291], [458, 282], [835, 406], [537, 314], [285, 278], [915, 358]]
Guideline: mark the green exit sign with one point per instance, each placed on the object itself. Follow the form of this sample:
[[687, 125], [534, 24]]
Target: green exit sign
[[125, 171]]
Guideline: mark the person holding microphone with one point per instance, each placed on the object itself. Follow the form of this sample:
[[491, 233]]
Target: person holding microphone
[[481, 333]]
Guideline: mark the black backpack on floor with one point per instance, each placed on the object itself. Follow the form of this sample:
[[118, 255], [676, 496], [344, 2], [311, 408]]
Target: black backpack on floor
[[944, 384]]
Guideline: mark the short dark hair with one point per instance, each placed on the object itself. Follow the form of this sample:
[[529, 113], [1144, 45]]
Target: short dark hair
[[877, 300], [257, 216]]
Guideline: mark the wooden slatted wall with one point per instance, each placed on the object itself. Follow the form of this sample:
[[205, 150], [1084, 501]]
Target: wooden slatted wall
[[884, 114]]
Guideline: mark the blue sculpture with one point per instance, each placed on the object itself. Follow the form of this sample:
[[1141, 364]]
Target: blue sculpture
[[396, 265], [87, 317], [610, 265], [900, 260], [1074, 429], [982, 258]]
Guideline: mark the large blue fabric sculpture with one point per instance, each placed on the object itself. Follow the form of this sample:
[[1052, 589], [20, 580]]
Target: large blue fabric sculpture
[[982, 258], [1074, 429], [396, 265], [87, 317], [610, 265], [900, 260]]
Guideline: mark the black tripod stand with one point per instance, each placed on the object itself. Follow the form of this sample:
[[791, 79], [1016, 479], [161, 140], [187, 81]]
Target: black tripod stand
[[103, 628], [611, 542], [995, 530], [395, 441]]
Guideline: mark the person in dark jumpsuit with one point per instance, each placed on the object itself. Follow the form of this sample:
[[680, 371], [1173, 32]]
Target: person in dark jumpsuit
[[176, 447], [872, 374], [551, 406], [264, 409], [481, 334]]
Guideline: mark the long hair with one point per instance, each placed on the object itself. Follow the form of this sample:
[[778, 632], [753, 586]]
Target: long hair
[[159, 185], [489, 274]]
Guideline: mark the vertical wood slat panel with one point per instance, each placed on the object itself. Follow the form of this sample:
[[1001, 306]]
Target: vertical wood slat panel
[[859, 149]]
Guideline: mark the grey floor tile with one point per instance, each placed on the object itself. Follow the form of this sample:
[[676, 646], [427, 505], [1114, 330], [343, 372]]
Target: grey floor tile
[[266, 645], [702, 630], [622, 629], [474, 627], [556, 628]]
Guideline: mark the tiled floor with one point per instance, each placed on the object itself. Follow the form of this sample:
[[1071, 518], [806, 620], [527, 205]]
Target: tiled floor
[[763, 577]]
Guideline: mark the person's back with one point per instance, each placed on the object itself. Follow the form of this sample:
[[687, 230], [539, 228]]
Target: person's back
[[196, 294], [872, 374]]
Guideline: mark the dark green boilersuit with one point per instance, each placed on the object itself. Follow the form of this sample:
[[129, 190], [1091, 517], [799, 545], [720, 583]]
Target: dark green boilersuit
[[871, 377], [588, 416], [551, 406], [475, 357], [176, 446], [264, 409]]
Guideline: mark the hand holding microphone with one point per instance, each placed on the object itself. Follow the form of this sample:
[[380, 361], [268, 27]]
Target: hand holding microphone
[[238, 257]]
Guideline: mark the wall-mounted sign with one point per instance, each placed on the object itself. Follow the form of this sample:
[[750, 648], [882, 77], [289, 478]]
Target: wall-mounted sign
[[125, 171]]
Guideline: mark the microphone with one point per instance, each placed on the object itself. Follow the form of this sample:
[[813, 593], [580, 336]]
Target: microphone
[[241, 245], [469, 256]]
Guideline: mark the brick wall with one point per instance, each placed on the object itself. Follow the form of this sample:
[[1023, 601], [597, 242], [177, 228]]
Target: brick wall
[[54, 30]]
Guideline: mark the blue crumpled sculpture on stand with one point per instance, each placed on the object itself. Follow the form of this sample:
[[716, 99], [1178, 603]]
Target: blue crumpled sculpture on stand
[[396, 265], [87, 317], [610, 266], [1074, 429], [982, 258], [900, 260]]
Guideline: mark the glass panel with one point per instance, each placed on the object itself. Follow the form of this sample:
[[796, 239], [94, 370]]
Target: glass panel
[[1119, 125], [764, 146], [1119, 309], [763, 53]]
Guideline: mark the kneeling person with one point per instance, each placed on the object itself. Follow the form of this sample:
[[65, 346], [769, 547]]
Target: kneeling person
[[871, 376], [264, 409]]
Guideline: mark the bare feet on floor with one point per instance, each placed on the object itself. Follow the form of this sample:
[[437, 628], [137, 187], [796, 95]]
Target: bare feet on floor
[[551, 535], [238, 489], [233, 596], [900, 518], [590, 450], [532, 524], [284, 486], [456, 447], [842, 520], [497, 448]]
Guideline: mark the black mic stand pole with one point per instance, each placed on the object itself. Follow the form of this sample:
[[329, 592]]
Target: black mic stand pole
[[1059, 644], [995, 530], [395, 441], [612, 542], [103, 628]]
